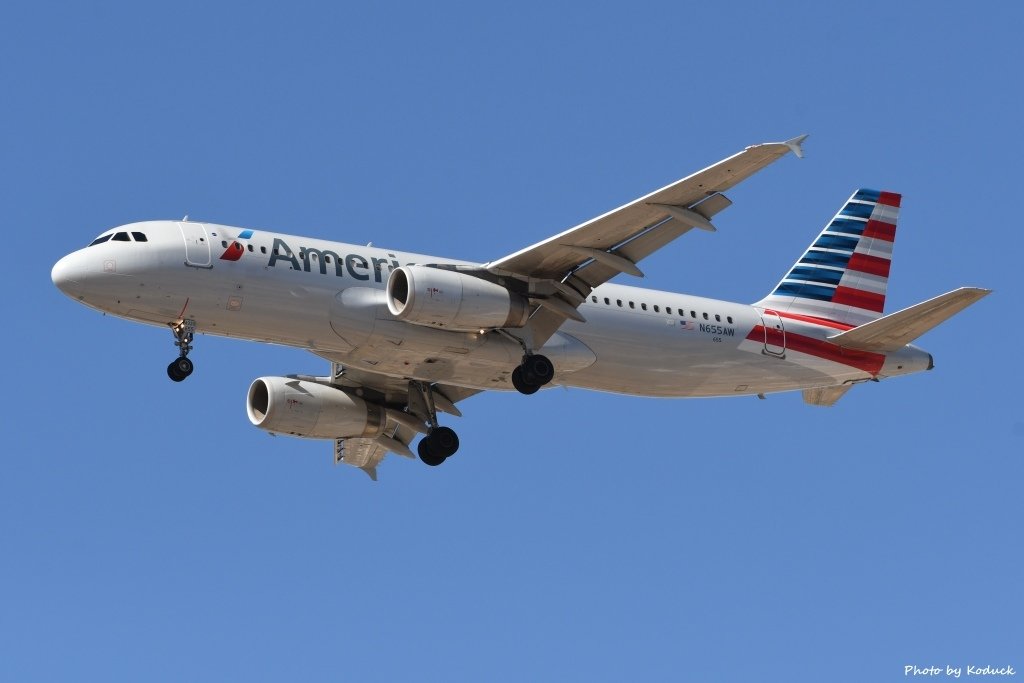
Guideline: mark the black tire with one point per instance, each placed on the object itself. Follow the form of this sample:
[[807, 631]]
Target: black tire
[[520, 383], [428, 454], [185, 366], [538, 370], [174, 373], [444, 441]]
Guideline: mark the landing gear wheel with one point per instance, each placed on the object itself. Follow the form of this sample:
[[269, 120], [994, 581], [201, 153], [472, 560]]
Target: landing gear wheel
[[427, 453], [444, 441], [521, 385], [179, 369], [437, 446], [534, 372], [537, 370], [184, 365], [172, 372]]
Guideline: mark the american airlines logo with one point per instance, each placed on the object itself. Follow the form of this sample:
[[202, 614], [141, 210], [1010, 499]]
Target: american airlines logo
[[308, 259], [235, 249]]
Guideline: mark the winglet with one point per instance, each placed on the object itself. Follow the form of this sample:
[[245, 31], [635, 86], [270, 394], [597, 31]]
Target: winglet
[[796, 145]]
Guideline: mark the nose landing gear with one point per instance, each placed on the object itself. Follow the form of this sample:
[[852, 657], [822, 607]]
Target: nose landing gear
[[181, 367]]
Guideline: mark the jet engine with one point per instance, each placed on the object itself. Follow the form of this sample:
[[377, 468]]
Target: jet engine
[[435, 297], [308, 409]]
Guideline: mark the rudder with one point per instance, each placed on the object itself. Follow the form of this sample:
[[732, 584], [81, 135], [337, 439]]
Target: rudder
[[843, 275]]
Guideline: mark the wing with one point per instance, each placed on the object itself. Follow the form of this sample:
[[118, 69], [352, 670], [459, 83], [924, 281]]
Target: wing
[[406, 415], [563, 270]]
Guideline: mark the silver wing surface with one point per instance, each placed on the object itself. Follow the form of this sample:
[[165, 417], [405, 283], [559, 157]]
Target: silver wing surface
[[561, 271]]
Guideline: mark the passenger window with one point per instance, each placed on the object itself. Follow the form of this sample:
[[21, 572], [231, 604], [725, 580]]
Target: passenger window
[[607, 301], [122, 237], [718, 318], [668, 309], [656, 309], [594, 299], [693, 314], [250, 247], [224, 243], [99, 240], [729, 318], [139, 236], [643, 307], [632, 305], [619, 302], [263, 250], [705, 316]]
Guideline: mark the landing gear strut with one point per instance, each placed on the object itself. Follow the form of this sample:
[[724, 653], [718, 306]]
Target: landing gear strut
[[534, 372], [441, 442], [181, 367]]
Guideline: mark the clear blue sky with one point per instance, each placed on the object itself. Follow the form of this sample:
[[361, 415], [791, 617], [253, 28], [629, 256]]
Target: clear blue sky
[[148, 532]]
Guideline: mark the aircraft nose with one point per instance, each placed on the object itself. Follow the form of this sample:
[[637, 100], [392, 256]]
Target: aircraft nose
[[67, 276]]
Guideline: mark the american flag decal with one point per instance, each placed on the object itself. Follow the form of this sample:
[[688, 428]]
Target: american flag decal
[[843, 275]]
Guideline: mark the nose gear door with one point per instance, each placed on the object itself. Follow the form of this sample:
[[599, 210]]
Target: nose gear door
[[197, 245]]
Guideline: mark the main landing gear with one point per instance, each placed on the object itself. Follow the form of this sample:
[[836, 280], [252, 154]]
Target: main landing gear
[[440, 443], [181, 367], [437, 446], [534, 372]]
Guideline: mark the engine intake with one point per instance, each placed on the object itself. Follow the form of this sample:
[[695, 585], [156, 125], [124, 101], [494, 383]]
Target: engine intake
[[436, 297], [308, 409]]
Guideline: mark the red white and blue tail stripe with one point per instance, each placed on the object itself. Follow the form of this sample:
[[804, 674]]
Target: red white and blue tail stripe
[[843, 275]]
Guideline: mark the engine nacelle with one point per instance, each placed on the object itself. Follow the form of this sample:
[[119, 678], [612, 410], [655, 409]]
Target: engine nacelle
[[444, 298], [308, 409]]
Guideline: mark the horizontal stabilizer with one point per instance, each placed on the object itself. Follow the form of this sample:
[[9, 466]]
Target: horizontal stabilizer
[[825, 396], [898, 329]]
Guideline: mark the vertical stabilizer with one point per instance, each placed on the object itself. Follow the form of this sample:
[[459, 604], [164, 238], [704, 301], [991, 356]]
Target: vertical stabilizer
[[843, 275]]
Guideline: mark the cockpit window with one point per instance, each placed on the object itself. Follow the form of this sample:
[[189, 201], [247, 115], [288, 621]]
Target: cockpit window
[[122, 237], [140, 236], [100, 240]]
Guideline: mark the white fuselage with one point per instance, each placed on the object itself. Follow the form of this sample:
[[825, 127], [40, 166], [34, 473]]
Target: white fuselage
[[329, 297]]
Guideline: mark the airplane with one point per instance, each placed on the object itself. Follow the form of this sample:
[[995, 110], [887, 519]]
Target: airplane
[[409, 336]]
